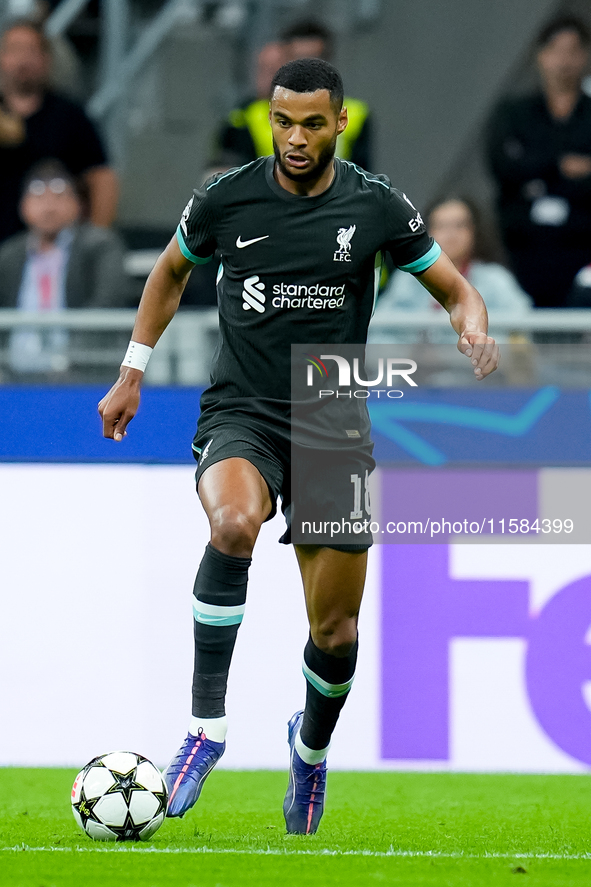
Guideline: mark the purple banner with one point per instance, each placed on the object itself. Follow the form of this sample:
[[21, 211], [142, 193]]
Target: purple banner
[[423, 609], [428, 505]]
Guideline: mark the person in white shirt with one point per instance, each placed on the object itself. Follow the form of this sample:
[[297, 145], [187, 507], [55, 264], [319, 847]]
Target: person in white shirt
[[455, 224]]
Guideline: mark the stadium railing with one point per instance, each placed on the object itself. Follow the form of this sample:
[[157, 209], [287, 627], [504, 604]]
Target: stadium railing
[[97, 339]]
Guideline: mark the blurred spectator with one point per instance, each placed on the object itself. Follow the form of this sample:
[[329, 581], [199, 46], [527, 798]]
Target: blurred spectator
[[539, 149], [36, 123], [269, 60], [456, 226], [66, 67], [59, 262], [247, 131]]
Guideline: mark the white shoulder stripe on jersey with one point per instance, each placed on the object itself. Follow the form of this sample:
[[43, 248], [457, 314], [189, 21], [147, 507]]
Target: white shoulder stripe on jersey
[[366, 175], [231, 172]]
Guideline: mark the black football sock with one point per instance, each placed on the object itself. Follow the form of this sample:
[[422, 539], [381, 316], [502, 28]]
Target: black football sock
[[219, 600], [328, 681]]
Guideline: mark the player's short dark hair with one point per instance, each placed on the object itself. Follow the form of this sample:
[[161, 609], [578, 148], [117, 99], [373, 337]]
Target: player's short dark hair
[[309, 29], [309, 75], [23, 22], [563, 23]]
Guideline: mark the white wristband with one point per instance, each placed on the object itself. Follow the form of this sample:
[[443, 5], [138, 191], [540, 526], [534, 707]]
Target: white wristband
[[137, 356]]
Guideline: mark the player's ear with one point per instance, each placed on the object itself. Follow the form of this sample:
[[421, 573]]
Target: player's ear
[[342, 121]]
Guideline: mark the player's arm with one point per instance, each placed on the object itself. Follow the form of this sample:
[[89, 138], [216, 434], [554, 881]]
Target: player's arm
[[160, 300], [467, 313]]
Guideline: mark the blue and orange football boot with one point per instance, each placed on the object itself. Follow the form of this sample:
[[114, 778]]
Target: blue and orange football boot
[[304, 800], [188, 770]]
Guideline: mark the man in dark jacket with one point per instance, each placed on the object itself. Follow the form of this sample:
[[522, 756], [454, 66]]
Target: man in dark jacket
[[58, 262], [37, 123], [539, 150]]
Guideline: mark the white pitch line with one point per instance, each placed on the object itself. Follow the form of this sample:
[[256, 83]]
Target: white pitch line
[[272, 851]]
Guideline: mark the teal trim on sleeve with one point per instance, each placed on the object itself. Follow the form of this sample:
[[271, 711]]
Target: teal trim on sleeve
[[424, 262], [197, 260]]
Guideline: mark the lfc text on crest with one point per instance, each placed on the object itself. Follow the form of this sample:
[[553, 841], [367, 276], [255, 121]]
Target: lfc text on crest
[[343, 254]]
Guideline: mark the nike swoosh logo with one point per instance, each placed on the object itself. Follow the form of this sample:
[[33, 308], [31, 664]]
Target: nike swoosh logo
[[242, 243]]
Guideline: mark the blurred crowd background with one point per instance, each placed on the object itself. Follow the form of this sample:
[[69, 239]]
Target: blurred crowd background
[[112, 111]]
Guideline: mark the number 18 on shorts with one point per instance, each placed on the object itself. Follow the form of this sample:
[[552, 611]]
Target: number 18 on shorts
[[331, 504]]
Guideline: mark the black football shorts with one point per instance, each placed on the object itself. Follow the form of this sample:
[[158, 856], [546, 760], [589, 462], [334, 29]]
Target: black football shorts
[[324, 493]]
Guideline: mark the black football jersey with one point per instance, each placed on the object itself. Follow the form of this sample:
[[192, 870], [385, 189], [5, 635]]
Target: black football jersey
[[293, 270]]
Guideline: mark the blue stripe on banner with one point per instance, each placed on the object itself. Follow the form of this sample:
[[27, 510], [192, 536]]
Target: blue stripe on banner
[[62, 424], [424, 262], [515, 426]]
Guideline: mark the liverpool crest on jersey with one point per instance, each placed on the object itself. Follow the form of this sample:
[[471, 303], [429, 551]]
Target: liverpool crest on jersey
[[343, 254]]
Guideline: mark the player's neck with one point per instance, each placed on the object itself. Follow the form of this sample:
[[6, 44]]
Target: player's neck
[[311, 188]]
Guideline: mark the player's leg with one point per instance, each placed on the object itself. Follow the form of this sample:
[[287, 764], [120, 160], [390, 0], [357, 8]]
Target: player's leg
[[333, 585], [237, 501]]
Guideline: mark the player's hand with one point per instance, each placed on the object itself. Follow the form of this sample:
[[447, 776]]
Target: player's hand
[[120, 404], [482, 351]]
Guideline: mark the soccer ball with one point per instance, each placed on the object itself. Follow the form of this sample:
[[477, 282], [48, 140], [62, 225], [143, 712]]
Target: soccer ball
[[120, 796]]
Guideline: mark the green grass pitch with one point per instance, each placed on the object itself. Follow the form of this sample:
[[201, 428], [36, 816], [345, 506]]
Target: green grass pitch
[[464, 830]]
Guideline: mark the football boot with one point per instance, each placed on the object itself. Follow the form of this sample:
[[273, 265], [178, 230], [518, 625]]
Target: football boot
[[188, 770], [304, 800]]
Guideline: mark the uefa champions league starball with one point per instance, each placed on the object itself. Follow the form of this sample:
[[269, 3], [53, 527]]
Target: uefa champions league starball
[[120, 796]]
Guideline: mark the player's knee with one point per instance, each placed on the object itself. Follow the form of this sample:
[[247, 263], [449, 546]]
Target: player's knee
[[234, 531], [336, 637]]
